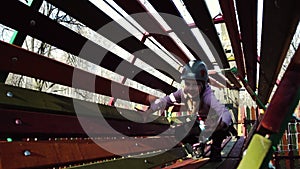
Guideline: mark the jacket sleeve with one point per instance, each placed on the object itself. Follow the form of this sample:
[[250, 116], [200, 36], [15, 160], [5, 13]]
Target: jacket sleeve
[[167, 101], [210, 99]]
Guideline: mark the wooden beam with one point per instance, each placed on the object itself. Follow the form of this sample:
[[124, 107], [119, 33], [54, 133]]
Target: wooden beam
[[49, 31], [169, 12], [55, 153], [287, 94], [277, 116], [19, 124], [247, 14], [18, 37], [145, 161], [17, 60], [229, 16], [280, 21], [203, 20], [23, 110], [155, 29], [109, 29]]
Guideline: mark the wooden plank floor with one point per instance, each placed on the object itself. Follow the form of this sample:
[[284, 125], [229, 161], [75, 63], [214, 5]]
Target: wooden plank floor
[[231, 155]]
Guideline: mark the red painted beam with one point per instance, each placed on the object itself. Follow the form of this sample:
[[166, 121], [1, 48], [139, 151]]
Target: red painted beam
[[43, 125], [17, 60], [286, 97], [280, 21], [134, 7], [59, 153], [229, 16], [219, 19]]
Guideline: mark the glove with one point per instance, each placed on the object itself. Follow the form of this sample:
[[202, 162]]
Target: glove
[[202, 125]]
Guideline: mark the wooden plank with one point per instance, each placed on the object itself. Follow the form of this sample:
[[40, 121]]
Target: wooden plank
[[46, 153], [203, 20], [24, 110], [247, 15], [229, 16], [155, 29], [227, 145], [234, 156], [143, 161], [189, 163], [174, 19], [287, 95], [276, 126], [126, 40], [18, 37], [17, 124], [233, 79], [29, 154], [51, 32], [18, 60], [280, 21]]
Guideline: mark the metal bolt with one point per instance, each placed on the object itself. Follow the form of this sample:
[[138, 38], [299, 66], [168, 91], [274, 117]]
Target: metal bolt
[[27, 153], [14, 59], [128, 127], [9, 94], [32, 23], [145, 161], [18, 122]]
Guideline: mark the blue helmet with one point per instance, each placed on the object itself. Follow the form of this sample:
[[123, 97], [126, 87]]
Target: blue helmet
[[195, 70]]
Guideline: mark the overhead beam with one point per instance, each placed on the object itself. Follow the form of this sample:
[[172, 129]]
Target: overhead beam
[[287, 94], [110, 29], [173, 18], [282, 106], [18, 60], [229, 16], [203, 20], [49, 31], [247, 14], [280, 21], [19, 37], [155, 29]]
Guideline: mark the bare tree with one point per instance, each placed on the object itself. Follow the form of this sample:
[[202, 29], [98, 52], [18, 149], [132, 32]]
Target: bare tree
[[45, 49]]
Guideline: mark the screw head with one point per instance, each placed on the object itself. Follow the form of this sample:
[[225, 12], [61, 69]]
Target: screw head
[[27, 153], [18, 121], [14, 59], [9, 94], [32, 23]]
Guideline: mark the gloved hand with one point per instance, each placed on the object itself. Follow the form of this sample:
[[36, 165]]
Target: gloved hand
[[202, 125]]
